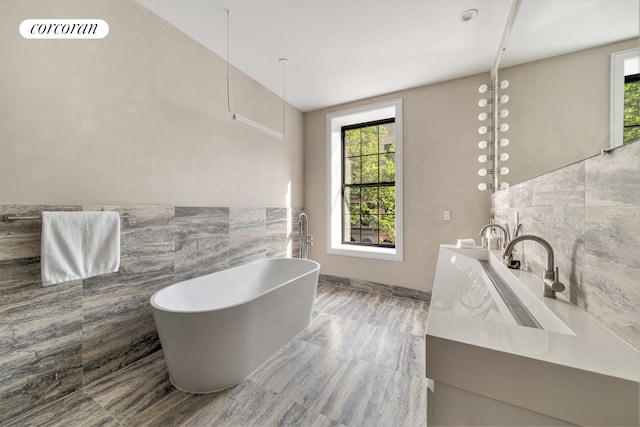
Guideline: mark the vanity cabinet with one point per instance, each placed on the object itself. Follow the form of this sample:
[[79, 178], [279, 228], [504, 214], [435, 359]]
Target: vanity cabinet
[[486, 369]]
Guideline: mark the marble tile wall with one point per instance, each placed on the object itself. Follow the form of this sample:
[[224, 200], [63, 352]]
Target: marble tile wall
[[117, 325], [202, 241], [590, 213], [59, 338]]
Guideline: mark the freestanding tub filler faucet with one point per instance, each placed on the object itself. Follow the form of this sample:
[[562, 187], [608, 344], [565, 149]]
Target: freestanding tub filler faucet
[[305, 239], [550, 276]]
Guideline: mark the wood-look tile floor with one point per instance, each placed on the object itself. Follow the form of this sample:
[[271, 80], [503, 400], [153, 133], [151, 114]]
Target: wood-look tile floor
[[359, 363]]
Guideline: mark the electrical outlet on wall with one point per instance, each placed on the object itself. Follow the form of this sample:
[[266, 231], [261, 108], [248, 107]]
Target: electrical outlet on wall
[[446, 215]]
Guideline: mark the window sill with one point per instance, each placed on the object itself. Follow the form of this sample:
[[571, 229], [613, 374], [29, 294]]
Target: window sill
[[387, 254]]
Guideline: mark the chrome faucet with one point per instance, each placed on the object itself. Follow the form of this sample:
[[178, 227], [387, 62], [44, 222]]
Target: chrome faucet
[[505, 230], [550, 276], [305, 239]]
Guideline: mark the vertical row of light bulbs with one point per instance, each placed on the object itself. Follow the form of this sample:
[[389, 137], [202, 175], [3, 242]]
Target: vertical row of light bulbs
[[490, 128]]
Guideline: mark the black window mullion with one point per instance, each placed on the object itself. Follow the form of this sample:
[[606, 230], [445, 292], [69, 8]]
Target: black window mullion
[[378, 158]]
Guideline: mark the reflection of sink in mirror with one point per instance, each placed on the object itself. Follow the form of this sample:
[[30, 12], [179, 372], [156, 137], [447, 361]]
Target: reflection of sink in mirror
[[490, 295]]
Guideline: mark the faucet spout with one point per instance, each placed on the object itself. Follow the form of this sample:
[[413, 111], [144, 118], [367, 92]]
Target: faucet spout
[[551, 275], [505, 230]]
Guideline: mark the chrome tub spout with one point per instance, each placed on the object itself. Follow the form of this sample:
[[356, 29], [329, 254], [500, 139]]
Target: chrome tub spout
[[305, 239]]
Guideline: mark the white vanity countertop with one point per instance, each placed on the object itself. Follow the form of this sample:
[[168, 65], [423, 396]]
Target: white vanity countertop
[[593, 348]]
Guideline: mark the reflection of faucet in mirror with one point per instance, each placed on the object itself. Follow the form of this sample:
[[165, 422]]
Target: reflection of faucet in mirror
[[305, 240], [505, 230], [550, 276]]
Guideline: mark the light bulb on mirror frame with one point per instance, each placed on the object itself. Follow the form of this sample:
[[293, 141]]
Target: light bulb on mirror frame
[[483, 144], [482, 186], [504, 127], [504, 99], [504, 84], [504, 113], [482, 130], [483, 102], [483, 158], [504, 185], [483, 88], [504, 170], [504, 157], [482, 172], [504, 142], [483, 116]]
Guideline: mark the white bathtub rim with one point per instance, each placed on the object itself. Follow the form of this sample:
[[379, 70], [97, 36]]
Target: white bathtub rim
[[157, 306]]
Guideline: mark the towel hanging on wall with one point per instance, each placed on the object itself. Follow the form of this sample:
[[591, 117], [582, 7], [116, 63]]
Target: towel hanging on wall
[[77, 245]]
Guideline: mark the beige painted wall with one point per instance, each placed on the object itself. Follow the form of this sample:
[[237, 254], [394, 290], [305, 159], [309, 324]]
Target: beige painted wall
[[139, 117], [440, 172], [559, 110]]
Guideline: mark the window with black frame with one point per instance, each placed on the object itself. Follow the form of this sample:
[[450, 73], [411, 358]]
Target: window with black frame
[[368, 184], [631, 108]]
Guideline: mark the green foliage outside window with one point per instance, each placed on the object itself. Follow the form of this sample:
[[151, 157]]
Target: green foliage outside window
[[631, 111]]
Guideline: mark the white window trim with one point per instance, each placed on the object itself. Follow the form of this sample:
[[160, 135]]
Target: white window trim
[[335, 122], [617, 94]]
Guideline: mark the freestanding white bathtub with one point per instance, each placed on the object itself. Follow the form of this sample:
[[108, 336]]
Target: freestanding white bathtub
[[217, 329]]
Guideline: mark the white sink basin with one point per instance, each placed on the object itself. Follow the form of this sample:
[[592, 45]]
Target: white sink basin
[[472, 292]]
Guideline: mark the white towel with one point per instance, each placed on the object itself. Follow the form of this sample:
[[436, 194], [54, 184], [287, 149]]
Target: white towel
[[77, 245], [466, 243]]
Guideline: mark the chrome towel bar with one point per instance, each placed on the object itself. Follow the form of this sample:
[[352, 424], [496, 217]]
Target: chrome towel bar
[[14, 217]]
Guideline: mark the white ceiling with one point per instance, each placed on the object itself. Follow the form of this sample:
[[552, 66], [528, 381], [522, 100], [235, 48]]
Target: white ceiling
[[545, 28], [345, 50]]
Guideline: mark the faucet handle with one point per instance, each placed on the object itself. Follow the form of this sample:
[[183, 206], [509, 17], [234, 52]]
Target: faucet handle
[[557, 286], [552, 284]]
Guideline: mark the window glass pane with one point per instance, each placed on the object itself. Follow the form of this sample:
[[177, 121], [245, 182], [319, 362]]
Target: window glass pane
[[388, 137], [631, 111], [387, 229], [369, 140], [370, 200], [388, 167], [352, 143], [354, 206], [387, 203], [369, 220], [370, 229], [370, 169], [352, 168]]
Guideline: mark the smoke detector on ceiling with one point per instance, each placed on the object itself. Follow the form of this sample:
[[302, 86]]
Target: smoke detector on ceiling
[[468, 15]]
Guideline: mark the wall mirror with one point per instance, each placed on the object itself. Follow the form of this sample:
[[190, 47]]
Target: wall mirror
[[558, 60]]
